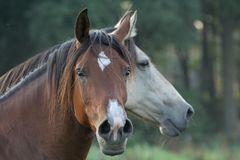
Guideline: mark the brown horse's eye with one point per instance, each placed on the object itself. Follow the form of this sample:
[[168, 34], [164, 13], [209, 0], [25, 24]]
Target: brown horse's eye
[[81, 73], [127, 72]]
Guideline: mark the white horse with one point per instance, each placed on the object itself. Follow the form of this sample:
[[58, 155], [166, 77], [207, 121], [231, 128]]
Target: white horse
[[151, 96]]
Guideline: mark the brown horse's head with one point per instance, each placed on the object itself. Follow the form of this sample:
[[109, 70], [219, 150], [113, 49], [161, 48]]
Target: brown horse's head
[[101, 67]]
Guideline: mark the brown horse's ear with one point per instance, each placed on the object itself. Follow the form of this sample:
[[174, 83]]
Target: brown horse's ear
[[123, 28], [82, 26]]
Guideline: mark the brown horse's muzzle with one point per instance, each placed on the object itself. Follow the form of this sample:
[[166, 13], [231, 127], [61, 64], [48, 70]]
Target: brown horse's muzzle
[[113, 131], [114, 136]]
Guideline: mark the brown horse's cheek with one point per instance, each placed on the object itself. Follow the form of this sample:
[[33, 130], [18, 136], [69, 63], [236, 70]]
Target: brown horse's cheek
[[92, 116], [79, 107], [80, 116]]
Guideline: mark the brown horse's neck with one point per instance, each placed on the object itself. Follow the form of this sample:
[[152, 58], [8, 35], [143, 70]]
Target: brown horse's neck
[[25, 131], [71, 142]]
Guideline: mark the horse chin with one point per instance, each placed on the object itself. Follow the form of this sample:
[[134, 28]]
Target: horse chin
[[169, 130], [111, 148]]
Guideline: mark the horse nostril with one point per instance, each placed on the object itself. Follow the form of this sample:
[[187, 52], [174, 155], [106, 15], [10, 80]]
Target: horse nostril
[[115, 132], [190, 112], [128, 127], [104, 128]]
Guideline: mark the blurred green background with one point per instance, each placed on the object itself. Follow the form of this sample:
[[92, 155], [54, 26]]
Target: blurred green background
[[194, 43]]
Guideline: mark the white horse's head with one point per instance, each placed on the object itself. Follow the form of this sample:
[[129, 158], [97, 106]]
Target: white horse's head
[[152, 97]]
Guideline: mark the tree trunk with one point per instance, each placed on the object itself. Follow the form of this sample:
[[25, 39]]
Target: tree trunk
[[183, 59], [230, 109], [208, 90]]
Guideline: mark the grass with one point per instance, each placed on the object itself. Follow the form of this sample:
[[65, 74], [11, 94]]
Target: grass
[[147, 152]]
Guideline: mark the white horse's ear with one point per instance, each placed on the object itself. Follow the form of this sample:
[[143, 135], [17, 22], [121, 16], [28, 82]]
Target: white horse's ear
[[133, 21], [132, 31]]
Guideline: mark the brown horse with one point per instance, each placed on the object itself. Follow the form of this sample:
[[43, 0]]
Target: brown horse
[[52, 105]]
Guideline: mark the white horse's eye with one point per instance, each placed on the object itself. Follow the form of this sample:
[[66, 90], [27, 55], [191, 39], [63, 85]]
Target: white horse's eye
[[144, 63]]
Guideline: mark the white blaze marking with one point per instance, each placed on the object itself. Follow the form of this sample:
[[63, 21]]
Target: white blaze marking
[[116, 116], [103, 60]]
